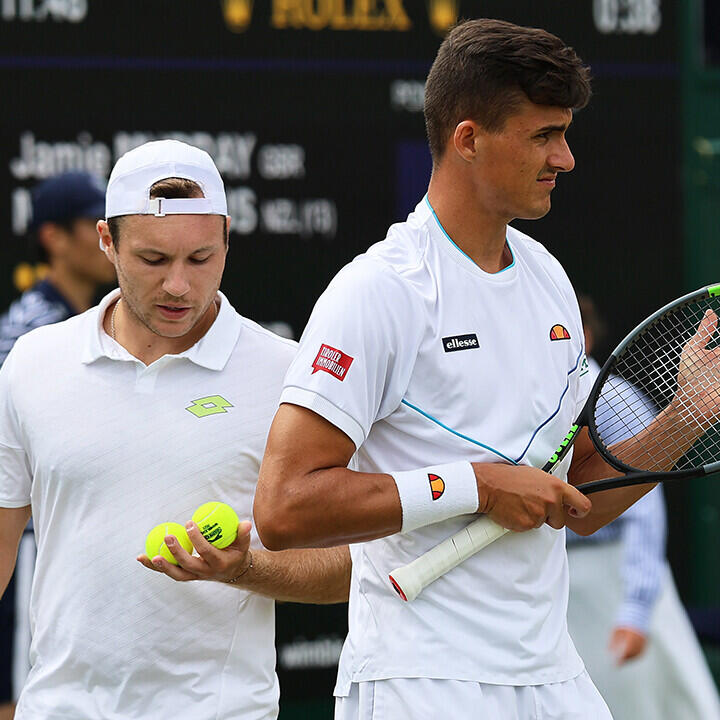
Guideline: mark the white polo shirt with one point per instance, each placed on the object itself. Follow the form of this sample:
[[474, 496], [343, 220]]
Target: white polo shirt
[[422, 358], [105, 448]]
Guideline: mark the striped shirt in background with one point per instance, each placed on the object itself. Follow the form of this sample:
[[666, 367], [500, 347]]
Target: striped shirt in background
[[41, 305], [642, 528]]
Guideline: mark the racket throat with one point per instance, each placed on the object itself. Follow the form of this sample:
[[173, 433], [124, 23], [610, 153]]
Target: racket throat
[[562, 450]]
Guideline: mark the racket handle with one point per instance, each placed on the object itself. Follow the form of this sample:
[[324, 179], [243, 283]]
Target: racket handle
[[409, 580]]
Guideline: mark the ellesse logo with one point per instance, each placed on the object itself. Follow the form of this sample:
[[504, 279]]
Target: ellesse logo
[[460, 342], [437, 486], [559, 332]]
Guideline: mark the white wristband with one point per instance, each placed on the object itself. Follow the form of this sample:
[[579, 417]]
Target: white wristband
[[436, 493]]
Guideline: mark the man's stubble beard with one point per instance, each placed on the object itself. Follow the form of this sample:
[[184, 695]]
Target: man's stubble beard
[[128, 296]]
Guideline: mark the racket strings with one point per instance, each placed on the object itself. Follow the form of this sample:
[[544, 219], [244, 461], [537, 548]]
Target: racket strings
[[621, 416], [671, 367]]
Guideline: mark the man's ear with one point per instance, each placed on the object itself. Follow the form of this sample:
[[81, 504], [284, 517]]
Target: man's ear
[[467, 140], [105, 240]]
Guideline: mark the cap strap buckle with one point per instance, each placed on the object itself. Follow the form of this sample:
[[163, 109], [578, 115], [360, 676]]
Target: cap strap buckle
[[160, 207]]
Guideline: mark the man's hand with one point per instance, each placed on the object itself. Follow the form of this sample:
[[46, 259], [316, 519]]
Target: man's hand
[[317, 576], [626, 644], [698, 376], [522, 498], [210, 563]]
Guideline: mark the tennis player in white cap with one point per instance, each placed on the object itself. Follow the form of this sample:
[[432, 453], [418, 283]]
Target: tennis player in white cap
[[132, 414]]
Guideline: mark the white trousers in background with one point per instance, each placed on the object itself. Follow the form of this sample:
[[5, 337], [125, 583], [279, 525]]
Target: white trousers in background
[[24, 571], [429, 699], [670, 680]]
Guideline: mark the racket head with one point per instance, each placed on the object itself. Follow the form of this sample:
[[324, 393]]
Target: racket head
[[641, 378]]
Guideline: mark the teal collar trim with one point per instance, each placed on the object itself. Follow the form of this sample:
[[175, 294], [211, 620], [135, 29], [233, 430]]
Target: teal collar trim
[[512, 253]]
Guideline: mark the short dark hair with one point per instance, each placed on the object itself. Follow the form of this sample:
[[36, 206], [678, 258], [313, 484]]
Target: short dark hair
[[168, 188], [484, 67]]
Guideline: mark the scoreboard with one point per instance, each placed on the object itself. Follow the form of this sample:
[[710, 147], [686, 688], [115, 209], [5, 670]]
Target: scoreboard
[[312, 110]]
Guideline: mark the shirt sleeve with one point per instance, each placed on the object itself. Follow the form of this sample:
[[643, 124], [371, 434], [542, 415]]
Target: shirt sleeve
[[15, 473], [586, 375], [586, 370], [644, 527], [357, 353]]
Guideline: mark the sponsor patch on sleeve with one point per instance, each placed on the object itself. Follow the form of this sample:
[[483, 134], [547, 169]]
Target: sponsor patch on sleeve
[[332, 361]]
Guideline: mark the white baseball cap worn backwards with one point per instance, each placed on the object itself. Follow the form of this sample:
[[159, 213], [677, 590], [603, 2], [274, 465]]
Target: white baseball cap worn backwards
[[128, 190]]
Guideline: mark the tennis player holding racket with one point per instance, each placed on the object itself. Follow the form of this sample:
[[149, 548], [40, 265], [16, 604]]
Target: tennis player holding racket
[[447, 363]]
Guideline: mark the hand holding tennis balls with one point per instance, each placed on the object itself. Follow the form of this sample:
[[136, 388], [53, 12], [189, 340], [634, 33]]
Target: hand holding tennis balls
[[221, 542]]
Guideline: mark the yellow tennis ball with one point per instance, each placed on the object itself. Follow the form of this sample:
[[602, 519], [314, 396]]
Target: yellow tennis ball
[[155, 541], [217, 522]]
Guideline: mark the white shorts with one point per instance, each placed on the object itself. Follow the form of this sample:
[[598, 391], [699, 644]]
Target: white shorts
[[430, 699]]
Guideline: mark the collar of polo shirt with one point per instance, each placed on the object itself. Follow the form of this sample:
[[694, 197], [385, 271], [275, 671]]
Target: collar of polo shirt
[[211, 351]]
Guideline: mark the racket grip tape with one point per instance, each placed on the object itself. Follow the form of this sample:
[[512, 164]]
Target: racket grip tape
[[409, 580]]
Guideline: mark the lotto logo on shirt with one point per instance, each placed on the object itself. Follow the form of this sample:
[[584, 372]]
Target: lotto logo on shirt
[[333, 361]]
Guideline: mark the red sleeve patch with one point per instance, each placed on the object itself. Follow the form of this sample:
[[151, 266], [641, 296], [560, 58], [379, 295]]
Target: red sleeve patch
[[333, 361]]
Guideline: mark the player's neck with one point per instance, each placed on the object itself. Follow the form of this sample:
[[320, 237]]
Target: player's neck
[[479, 234], [78, 292], [141, 342]]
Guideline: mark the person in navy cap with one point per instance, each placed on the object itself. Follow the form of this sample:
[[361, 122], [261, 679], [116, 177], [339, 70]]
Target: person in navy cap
[[66, 209]]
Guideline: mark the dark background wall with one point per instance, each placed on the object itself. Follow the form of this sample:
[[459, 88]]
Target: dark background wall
[[318, 130], [701, 175], [312, 111]]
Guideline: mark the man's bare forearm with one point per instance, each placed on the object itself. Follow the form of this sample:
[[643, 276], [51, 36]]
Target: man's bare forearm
[[320, 576], [317, 575], [307, 497], [325, 508], [655, 448], [588, 466]]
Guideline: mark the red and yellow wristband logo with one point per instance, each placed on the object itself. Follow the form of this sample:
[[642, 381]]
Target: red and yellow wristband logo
[[437, 486]]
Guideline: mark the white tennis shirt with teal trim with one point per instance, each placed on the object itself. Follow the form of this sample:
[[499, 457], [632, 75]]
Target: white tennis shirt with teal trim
[[422, 358], [105, 448]]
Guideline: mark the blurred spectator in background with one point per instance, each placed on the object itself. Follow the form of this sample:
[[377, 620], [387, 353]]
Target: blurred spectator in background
[[624, 613], [66, 209]]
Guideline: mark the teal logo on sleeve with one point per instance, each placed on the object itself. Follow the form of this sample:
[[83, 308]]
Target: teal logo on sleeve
[[211, 405], [584, 367]]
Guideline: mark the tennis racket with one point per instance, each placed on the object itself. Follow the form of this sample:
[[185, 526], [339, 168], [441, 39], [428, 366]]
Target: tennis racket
[[651, 414]]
